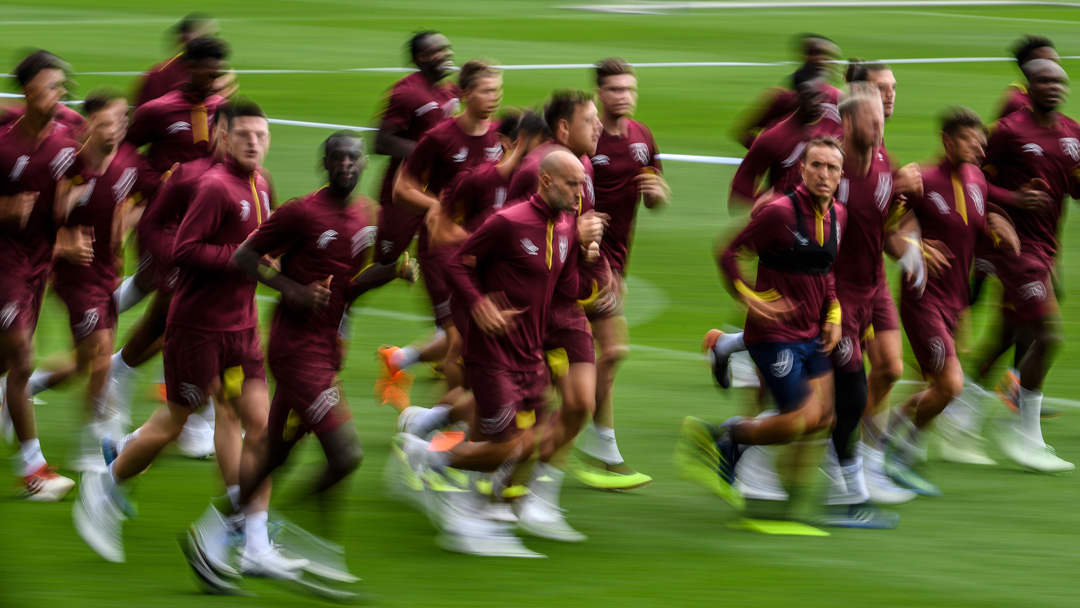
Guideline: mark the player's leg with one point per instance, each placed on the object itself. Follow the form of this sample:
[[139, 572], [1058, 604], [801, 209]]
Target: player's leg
[[885, 352]]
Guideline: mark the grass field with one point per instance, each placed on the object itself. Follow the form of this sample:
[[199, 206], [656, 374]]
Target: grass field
[[997, 538]]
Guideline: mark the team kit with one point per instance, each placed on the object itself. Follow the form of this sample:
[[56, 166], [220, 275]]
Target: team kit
[[523, 221]]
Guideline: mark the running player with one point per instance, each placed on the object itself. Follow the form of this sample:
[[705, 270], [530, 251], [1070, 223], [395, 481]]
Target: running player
[[36, 153], [953, 214], [1016, 95], [793, 321], [506, 273], [465, 141], [171, 74]]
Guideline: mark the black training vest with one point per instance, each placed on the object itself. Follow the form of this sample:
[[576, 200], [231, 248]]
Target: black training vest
[[805, 255]]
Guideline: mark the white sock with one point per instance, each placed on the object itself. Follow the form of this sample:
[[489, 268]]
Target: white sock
[[600, 444], [233, 492], [118, 365], [433, 419], [405, 357], [1030, 411], [547, 483], [126, 439], [39, 382], [128, 294], [32, 458], [256, 536], [970, 410], [729, 343]]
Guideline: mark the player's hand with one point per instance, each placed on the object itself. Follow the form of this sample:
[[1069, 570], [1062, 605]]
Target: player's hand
[[76, 244], [590, 226], [490, 319], [16, 209], [591, 253], [937, 257], [1004, 230], [830, 337], [314, 296], [768, 313], [913, 266], [1032, 196], [408, 269], [654, 189], [909, 180]]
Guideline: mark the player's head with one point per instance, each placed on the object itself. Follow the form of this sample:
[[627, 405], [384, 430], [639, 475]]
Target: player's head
[[344, 160], [572, 118], [105, 109], [810, 91], [42, 78], [816, 51], [1034, 47], [822, 166], [1047, 84], [481, 88], [247, 133], [863, 118], [530, 131], [877, 73], [964, 136], [205, 58], [193, 26], [430, 52], [562, 180], [616, 86]]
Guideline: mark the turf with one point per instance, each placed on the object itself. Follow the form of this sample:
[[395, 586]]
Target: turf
[[997, 537]]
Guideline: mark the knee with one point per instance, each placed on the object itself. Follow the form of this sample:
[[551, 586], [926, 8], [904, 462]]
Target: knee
[[347, 460], [951, 387], [613, 355], [889, 371]]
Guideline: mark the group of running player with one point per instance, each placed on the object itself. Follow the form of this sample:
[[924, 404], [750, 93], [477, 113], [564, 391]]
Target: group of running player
[[523, 225], [820, 302]]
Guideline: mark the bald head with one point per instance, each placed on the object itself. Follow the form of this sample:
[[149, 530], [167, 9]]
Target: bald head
[[1047, 84], [562, 180]]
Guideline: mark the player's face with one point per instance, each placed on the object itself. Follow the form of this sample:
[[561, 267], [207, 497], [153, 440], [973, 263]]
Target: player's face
[[485, 96], [1048, 87], [344, 162], [45, 90], [618, 94], [436, 56], [821, 171], [967, 146], [584, 130], [565, 187], [886, 85], [868, 126], [203, 74], [108, 126], [249, 139]]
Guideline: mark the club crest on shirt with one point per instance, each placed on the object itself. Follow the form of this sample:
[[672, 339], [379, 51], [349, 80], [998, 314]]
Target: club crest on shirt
[[20, 166], [500, 197], [782, 367], [124, 185], [493, 154], [325, 239], [461, 155], [564, 245], [364, 238], [600, 160], [1035, 149], [640, 153], [976, 196], [939, 202], [883, 193], [1070, 146], [62, 162], [796, 154], [245, 210], [529, 248], [177, 127]]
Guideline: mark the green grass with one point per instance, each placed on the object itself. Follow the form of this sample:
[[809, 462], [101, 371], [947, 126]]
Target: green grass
[[997, 538]]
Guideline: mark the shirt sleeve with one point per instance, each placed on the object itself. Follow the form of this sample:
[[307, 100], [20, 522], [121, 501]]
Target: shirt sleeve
[[578, 277], [423, 160], [397, 111], [141, 130], [193, 247], [525, 181], [759, 235], [745, 182], [465, 280], [169, 204], [280, 232], [997, 149], [830, 310]]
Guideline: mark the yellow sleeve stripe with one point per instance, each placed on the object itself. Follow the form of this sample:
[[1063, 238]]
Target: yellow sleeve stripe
[[834, 315], [770, 295]]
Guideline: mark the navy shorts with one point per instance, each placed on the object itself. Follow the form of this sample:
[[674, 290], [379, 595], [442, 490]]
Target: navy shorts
[[786, 368]]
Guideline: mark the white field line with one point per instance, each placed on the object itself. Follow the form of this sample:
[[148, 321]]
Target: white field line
[[659, 8]]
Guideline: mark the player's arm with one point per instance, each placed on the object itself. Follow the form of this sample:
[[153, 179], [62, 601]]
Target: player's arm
[[1032, 196], [141, 128], [376, 275], [831, 313], [193, 247], [442, 227], [749, 124], [464, 278], [410, 185], [758, 235], [280, 233], [395, 120], [744, 184], [655, 191], [1000, 230], [588, 274]]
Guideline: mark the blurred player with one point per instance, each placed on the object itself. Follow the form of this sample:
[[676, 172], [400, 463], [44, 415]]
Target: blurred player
[[773, 160], [36, 153], [211, 345], [953, 215], [793, 322], [467, 140], [1016, 95], [172, 73], [777, 103], [627, 171], [506, 274]]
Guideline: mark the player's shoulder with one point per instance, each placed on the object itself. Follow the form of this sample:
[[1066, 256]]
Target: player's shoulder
[[160, 105], [1069, 124]]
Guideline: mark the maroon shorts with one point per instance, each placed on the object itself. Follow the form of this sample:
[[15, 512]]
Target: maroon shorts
[[195, 359], [431, 265], [506, 401], [862, 315], [930, 328], [308, 397], [1025, 283], [20, 301], [90, 304], [574, 337], [883, 316], [397, 227]]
